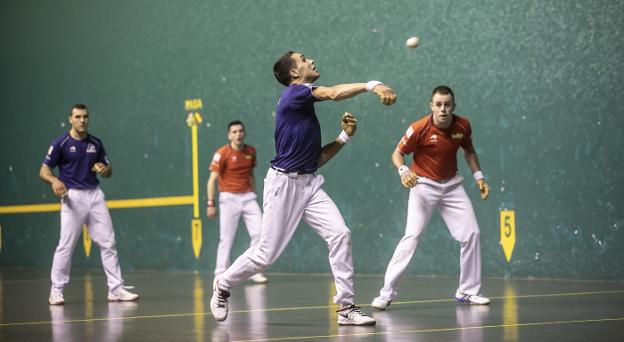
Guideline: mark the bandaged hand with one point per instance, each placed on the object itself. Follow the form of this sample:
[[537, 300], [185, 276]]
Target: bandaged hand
[[385, 93], [99, 168], [483, 188], [348, 123], [409, 179]]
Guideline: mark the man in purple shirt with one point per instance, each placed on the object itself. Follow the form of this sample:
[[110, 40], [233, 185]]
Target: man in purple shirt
[[80, 156], [293, 191]]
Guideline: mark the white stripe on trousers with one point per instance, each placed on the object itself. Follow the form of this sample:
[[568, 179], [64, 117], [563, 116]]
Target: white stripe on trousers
[[288, 198], [453, 204], [88, 207], [231, 207]]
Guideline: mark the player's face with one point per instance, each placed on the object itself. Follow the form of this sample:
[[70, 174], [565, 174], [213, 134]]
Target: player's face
[[305, 68], [442, 106], [236, 134], [79, 119]]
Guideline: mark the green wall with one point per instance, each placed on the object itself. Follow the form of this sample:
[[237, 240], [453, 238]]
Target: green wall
[[541, 82]]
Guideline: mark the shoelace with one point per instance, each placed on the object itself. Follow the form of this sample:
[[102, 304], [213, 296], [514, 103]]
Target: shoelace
[[465, 298], [352, 310], [222, 297]]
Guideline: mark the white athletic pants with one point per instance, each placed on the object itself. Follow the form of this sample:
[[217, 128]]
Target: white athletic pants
[[288, 198], [231, 207], [453, 204], [88, 207]]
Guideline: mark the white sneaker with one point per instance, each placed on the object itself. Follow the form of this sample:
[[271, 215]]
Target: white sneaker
[[122, 295], [56, 298], [351, 315], [471, 299], [259, 278], [219, 302], [381, 303]]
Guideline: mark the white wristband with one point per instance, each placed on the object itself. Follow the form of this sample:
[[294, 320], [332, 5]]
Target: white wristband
[[478, 175], [372, 84], [344, 137], [403, 169]]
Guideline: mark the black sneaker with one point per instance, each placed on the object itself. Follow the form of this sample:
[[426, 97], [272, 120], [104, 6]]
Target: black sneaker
[[219, 302]]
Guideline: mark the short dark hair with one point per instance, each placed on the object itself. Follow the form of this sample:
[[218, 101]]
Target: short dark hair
[[281, 68], [235, 122], [78, 106], [443, 90]]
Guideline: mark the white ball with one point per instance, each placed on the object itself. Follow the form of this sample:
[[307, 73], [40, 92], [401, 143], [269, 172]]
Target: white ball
[[412, 42]]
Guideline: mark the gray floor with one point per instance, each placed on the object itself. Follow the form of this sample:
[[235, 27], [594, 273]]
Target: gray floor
[[295, 307]]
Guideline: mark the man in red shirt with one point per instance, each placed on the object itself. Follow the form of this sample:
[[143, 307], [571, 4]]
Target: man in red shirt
[[434, 184], [233, 165]]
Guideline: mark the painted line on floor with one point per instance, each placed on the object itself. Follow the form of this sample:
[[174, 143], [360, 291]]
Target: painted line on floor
[[434, 330], [297, 308]]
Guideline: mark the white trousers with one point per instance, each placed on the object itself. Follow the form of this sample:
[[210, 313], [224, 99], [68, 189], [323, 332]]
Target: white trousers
[[288, 198], [88, 207], [453, 204], [231, 207]]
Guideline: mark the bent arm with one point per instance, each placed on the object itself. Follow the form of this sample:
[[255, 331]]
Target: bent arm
[[58, 187], [472, 160], [45, 173], [329, 151], [473, 163], [409, 178], [108, 171], [398, 158], [349, 127]]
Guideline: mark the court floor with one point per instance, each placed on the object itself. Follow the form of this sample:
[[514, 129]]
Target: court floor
[[174, 306]]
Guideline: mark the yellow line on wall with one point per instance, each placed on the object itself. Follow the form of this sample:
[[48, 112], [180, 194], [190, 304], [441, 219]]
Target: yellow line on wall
[[150, 202], [112, 204], [30, 208], [195, 172]]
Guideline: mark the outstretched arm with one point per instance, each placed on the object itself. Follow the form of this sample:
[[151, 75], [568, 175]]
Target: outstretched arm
[[473, 163], [349, 126], [339, 92], [346, 91]]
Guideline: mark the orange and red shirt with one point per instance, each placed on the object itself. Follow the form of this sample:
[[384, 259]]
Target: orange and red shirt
[[234, 168], [435, 149]]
